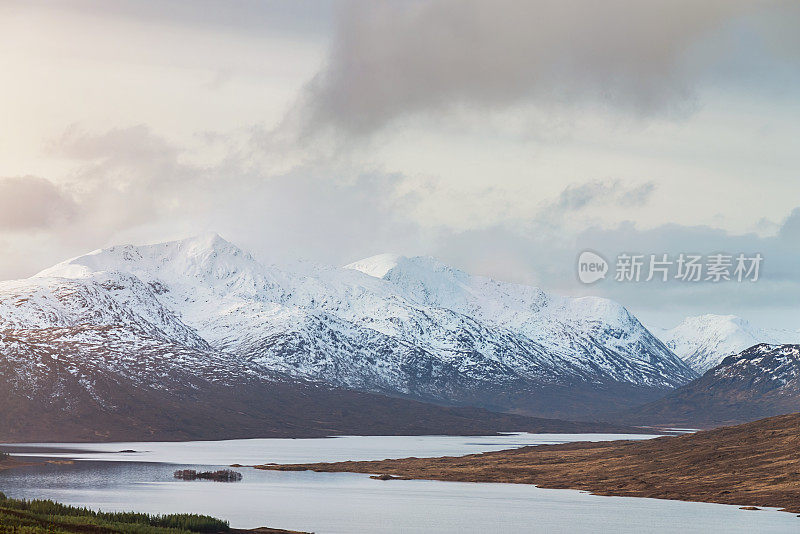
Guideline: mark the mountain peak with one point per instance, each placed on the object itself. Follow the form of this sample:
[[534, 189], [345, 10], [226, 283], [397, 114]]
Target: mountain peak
[[207, 252], [207, 241], [380, 265], [377, 265], [210, 244], [709, 319], [703, 341]]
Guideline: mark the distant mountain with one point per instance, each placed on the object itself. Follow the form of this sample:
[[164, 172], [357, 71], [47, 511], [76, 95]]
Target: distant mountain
[[705, 340], [185, 319], [761, 381]]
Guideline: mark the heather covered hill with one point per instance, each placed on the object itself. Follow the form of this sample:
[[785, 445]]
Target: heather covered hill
[[761, 381]]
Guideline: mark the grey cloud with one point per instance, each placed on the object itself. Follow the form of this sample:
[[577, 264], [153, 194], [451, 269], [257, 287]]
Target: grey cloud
[[135, 186], [318, 212], [577, 197], [508, 253], [790, 230], [254, 16], [127, 184], [391, 59], [127, 176], [546, 256], [135, 144], [638, 195], [614, 192], [309, 214], [781, 254], [130, 184], [32, 203], [778, 287]]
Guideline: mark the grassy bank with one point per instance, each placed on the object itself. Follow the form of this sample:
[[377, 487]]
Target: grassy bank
[[48, 517]]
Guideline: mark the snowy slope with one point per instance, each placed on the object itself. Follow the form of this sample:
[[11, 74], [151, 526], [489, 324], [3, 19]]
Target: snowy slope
[[704, 341], [407, 326], [595, 334], [776, 365]]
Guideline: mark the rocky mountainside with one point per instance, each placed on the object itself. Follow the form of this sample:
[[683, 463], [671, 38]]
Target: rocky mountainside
[[705, 340], [184, 316], [761, 381], [48, 394], [120, 383]]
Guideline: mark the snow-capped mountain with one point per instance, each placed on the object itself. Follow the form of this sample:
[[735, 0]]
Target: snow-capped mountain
[[594, 337], [762, 381], [705, 340], [405, 326]]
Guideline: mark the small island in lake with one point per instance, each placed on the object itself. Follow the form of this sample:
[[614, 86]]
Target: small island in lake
[[223, 475]]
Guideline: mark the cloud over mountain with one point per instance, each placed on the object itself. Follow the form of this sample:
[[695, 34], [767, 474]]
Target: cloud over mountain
[[33, 203], [392, 59]]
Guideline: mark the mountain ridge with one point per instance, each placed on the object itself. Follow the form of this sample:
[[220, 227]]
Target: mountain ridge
[[422, 331], [761, 381], [703, 341]]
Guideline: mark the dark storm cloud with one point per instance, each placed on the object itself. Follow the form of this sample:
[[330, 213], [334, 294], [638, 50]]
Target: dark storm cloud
[[391, 59]]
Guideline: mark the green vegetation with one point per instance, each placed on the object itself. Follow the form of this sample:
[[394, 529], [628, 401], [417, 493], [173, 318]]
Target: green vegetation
[[48, 517]]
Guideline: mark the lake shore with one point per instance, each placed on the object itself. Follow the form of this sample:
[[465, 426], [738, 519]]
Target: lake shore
[[108, 477], [755, 464], [33, 522]]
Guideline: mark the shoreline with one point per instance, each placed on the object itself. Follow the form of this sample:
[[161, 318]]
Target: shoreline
[[755, 464], [13, 463], [568, 427]]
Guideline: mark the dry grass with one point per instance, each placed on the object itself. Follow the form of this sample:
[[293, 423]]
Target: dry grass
[[755, 464]]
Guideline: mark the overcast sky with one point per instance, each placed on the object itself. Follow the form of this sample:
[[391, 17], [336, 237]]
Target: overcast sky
[[503, 137]]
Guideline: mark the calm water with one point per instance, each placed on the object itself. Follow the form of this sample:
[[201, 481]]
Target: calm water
[[103, 478]]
